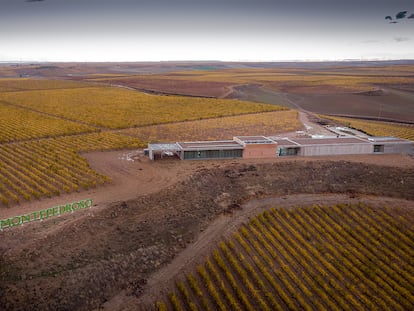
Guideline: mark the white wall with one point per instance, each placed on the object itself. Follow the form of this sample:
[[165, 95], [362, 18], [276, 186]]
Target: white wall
[[399, 148], [320, 150]]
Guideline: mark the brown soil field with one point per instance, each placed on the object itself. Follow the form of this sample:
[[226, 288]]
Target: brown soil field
[[96, 258], [387, 104], [392, 105]]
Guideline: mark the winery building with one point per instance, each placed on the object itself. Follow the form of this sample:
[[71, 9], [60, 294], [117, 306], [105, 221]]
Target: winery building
[[257, 147]]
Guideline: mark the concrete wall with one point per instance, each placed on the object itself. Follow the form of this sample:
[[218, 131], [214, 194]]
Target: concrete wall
[[260, 151], [320, 150], [401, 148]]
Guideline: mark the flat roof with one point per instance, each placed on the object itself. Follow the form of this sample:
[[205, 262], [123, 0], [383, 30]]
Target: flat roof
[[284, 142], [164, 146], [206, 145], [329, 141], [254, 139], [388, 140]]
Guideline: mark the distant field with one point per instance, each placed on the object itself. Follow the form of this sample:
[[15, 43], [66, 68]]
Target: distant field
[[267, 123], [114, 108], [25, 84], [394, 105], [387, 92], [342, 257], [291, 80], [376, 128], [170, 85]]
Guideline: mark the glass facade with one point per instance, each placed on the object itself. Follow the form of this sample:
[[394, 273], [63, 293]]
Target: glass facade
[[282, 152], [213, 154]]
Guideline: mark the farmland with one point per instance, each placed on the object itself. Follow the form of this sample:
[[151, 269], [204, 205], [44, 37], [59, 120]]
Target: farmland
[[377, 91], [116, 108], [22, 124], [220, 128], [352, 257], [25, 84], [50, 167], [291, 80]]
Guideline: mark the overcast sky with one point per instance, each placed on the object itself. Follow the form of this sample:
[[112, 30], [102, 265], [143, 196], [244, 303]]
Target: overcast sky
[[228, 30]]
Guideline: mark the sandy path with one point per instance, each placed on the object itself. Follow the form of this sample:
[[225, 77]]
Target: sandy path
[[312, 128]]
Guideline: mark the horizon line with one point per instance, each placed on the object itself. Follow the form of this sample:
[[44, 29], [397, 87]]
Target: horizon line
[[213, 61]]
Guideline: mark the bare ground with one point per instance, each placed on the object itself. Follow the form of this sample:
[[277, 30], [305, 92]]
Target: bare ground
[[386, 104]]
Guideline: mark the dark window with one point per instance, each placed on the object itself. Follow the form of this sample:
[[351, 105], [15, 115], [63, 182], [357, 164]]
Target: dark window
[[378, 148], [288, 151], [213, 154]]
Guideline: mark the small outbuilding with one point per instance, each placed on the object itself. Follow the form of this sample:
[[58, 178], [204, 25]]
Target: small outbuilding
[[163, 150]]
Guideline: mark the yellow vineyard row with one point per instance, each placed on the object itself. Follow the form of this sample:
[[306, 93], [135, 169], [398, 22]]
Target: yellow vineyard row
[[343, 257], [220, 128], [24, 84], [22, 124]]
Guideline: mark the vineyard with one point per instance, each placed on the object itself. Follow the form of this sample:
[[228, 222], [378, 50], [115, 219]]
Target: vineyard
[[25, 84], [220, 128], [22, 124], [49, 167], [342, 257], [116, 108], [377, 128]]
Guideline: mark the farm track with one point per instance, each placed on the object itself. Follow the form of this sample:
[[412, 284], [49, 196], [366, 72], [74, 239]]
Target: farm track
[[379, 119], [156, 92]]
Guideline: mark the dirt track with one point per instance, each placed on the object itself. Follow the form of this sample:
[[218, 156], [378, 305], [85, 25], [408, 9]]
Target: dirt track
[[81, 261]]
